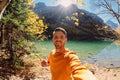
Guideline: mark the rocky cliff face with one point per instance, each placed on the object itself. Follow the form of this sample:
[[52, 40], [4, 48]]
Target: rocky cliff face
[[80, 24]]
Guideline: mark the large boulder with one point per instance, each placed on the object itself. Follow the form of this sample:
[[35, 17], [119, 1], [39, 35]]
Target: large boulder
[[80, 24]]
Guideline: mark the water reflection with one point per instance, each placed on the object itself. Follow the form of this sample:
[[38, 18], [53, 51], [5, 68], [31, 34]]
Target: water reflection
[[109, 57]]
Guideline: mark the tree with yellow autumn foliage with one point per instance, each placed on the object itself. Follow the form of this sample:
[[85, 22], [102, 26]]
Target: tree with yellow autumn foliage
[[37, 25], [19, 25]]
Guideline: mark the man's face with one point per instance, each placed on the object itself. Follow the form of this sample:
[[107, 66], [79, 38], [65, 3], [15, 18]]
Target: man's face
[[59, 39]]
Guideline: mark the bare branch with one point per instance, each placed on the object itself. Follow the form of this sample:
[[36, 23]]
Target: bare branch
[[108, 8]]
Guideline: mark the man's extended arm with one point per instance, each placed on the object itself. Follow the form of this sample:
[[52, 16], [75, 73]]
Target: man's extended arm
[[80, 72]]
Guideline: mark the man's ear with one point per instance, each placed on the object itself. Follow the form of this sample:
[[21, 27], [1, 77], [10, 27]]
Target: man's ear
[[66, 39], [52, 38]]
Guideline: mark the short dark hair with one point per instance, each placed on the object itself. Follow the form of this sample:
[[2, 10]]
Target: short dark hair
[[60, 29]]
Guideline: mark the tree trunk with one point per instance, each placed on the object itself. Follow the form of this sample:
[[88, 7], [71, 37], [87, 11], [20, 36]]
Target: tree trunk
[[3, 5], [0, 34], [6, 39]]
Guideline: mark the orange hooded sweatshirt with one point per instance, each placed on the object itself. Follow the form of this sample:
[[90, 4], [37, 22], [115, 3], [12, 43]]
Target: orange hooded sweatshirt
[[67, 66]]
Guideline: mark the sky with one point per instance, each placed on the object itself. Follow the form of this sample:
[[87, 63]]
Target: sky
[[88, 6]]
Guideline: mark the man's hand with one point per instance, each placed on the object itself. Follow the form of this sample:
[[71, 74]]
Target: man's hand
[[44, 63]]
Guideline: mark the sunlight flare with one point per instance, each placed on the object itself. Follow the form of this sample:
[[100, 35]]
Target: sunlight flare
[[65, 3]]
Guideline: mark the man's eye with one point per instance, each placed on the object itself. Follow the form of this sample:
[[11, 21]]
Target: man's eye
[[61, 37], [55, 37]]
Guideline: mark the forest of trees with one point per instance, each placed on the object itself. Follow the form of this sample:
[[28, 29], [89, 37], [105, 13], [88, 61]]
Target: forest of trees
[[19, 26]]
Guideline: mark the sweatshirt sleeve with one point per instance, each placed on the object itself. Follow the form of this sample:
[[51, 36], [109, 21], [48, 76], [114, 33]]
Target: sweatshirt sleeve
[[79, 72]]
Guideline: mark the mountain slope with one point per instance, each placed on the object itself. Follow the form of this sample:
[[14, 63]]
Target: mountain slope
[[80, 24]]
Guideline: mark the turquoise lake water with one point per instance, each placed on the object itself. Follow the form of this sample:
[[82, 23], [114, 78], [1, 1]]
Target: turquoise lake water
[[84, 49], [105, 53], [109, 57]]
